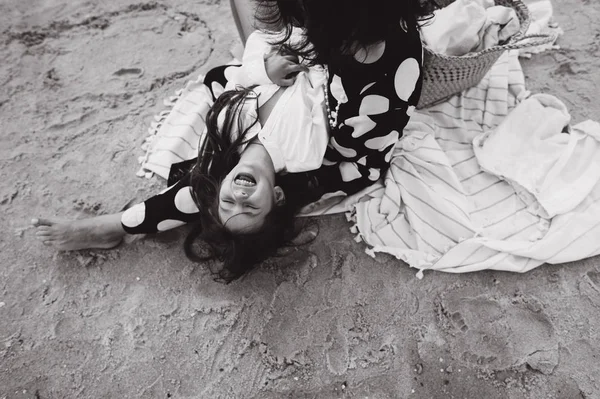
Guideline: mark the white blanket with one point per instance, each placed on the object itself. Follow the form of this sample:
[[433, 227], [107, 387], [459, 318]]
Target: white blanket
[[174, 135], [466, 26], [541, 13], [439, 209]]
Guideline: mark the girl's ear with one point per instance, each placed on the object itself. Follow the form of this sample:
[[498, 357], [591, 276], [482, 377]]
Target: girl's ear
[[279, 196]]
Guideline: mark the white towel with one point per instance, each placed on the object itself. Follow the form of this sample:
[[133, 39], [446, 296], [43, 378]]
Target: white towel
[[466, 26], [439, 210], [541, 13], [174, 135], [530, 150]]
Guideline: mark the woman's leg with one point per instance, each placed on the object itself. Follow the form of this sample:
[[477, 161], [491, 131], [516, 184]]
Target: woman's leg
[[244, 16]]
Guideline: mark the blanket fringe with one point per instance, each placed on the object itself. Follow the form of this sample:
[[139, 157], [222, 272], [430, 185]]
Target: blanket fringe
[[152, 132], [155, 126]]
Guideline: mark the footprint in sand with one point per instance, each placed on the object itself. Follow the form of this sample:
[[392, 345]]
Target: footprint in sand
[[129, 71], [337, 352], [90, 52], [497, 333], [589, 286], [594, 279]]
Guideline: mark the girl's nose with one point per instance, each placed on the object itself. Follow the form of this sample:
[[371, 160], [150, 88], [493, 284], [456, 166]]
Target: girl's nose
[[240, 193]]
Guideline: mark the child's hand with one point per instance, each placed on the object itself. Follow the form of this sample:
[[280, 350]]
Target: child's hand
[[282, 68]]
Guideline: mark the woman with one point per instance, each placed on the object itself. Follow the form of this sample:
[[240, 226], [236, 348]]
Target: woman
[[373, 52]]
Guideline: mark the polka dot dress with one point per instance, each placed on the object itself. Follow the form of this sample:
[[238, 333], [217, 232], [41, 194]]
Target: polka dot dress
[[375, 92]]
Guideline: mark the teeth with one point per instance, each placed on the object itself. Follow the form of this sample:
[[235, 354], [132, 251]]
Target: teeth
[[244, 182]]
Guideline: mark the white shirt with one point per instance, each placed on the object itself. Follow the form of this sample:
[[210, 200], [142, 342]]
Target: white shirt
[[295, 135]]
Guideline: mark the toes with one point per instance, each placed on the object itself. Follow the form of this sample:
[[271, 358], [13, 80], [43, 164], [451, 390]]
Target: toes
[[42, 222], [43, 232]]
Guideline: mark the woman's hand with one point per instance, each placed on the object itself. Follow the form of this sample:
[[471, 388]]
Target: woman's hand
[[282, 68]]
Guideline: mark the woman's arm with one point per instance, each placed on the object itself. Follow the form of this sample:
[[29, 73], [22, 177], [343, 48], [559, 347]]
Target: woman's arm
[[373, 118], [263, 64], [244, 17]]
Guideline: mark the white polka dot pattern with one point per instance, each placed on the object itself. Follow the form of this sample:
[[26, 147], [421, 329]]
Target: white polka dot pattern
[[367, 87], [349, 171], [371, 54], [361, 124], [374, 105], [406, 78], [337, 90], [134, 216], [346, 152], [374, 174], [184, 201], [169, 224], [381, 143], [217, 89]]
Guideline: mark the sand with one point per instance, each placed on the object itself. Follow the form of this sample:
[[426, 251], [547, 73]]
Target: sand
[[79, 84]]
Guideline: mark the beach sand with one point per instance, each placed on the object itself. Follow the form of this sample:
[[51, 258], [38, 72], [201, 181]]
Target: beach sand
[[79, 85]]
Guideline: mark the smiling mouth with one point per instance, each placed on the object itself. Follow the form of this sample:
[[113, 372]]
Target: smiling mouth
[[244, 179]]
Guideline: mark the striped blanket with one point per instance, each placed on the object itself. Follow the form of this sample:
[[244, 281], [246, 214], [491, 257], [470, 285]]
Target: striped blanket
[[523, 195], [487, 181], [176, 132]]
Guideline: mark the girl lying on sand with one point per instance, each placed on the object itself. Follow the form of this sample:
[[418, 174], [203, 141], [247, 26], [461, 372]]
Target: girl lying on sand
[[251, 176]]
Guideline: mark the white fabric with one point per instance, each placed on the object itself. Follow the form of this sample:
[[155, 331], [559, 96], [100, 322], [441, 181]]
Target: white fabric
[[466, 26], [174, 135], [252, 71], [500, 25], [541, 13], [439, 210], [295, 134], [530, 151]]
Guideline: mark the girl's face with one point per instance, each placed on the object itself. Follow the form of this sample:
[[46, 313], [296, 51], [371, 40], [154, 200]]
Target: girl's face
[[246, 196]]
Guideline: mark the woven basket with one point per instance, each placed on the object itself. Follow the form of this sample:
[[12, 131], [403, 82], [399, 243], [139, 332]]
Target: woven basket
[[446, 75]]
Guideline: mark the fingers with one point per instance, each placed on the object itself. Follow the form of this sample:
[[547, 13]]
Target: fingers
[[292, 58], [296, 68], [291, 71]]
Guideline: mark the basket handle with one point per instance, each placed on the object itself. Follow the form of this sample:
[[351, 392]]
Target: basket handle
[[524, 41]]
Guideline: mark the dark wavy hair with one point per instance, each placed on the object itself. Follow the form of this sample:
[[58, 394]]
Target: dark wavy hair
[[220, 152], [336, 27]]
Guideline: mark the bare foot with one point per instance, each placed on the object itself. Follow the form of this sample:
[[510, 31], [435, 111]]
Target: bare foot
[[98, 232]]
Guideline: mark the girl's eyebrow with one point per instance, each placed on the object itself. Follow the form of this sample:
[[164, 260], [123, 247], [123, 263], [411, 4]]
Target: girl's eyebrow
[[237, 214], [253, 215], [220, 206]]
